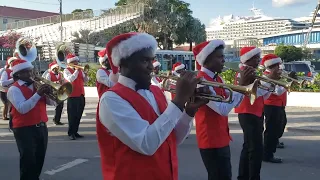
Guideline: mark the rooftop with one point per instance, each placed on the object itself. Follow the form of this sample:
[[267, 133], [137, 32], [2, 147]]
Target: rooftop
[[6, 11]]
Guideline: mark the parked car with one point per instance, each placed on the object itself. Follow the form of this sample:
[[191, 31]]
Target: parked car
[[301, 66]]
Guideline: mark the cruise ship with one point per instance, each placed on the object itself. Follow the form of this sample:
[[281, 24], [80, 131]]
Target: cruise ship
[[231, 27]]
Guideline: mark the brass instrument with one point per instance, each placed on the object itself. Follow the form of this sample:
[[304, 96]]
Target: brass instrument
[[59, 92], [62, 52], [26, 50], [250, 90], [300, 82], [270, 88]]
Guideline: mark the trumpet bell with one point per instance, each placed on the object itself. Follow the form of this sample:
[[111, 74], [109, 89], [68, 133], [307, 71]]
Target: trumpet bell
[[26, 49]]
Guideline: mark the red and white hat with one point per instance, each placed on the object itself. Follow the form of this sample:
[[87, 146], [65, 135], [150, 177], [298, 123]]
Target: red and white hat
[[124, 45], [71, 58], [247, 53], [10, 60], [178, 66], [20, 64], [203, 50], [156, 63], [270, 59], [102, 56], [53, 65]]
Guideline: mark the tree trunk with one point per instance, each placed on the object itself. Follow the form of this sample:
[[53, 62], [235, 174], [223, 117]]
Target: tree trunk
[[190, 45]]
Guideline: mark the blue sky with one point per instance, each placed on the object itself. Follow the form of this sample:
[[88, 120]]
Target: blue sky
[[202, 9]]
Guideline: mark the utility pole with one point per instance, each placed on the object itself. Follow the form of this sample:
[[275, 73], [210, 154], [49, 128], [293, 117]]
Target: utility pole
[[61, 27]]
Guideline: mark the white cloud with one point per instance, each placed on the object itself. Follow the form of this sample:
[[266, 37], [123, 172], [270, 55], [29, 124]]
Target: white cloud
[[282, 3]]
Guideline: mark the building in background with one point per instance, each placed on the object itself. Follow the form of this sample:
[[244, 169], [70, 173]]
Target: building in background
[[12, 14]]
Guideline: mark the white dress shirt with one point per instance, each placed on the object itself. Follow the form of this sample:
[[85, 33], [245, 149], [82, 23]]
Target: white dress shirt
[[220, 107], [103, 78], [71, 77], [22, 104], [5, 81], [155, 82], [124, 122]]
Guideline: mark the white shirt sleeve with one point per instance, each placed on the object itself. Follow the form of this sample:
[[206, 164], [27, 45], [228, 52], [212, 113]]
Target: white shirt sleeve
[[70, 77], [124, 122], [5, 82], [22, 104], [103, 78], [223, 108], [48, 76], [85, 77]]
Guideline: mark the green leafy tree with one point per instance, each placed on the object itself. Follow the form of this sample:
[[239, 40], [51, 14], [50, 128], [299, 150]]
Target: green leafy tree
[[289, 53]]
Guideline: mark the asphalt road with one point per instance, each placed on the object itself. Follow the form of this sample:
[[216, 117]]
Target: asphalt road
[[79, 160]]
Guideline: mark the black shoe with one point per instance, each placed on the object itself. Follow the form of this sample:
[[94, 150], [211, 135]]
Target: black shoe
[[273, 160], [59, 123], [280, 145], [72, 137], [78, 135]]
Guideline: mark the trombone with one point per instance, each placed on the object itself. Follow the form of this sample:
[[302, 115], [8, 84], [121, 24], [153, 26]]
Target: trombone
[[300, 82], [250, 90], [61, 54]]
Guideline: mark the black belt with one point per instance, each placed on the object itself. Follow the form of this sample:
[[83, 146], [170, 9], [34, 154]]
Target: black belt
[[41, 124]]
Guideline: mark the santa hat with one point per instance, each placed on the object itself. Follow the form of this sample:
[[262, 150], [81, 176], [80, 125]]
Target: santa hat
[[10, 59], [156, 63], [178, 66], [124, 45], [247, 53], [72, 58], [203, 50], [270, 59], [20, 64], [53, 65], [102, 56]]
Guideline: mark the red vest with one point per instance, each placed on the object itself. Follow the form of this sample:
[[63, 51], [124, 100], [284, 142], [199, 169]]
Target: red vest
[[9, 73], [212, 129], [101, 88], [35, 115], [275, 100], [77, 84], [245, 106], [54, 78], [119, 162]]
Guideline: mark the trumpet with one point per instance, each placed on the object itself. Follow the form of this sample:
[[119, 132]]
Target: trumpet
[[59, 92], [300, 82], [250, 90], [270, 89], [62, 52]]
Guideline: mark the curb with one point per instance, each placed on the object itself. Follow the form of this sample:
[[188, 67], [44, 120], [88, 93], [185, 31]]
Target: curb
[[303, 130]]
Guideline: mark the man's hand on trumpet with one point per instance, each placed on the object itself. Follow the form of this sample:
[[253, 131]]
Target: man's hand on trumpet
[[44, 89], [247, 76], [193, 106]]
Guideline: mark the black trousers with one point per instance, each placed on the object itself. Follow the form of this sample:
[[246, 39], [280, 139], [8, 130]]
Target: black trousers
[[75, 107], [32, 144], [217, 163], [252, 150], [57, 116], [283, 122]]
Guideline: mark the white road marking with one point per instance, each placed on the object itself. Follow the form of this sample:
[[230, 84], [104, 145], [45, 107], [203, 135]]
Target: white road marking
[[66, 166]]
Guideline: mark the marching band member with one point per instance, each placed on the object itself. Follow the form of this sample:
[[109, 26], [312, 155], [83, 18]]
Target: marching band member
[[6, 81], [29, 119], [177, 68], [212, 128], [274, 110], [103, 81], [55, 76], [156, 81], [251, 120], [76, 100], [143, 127]]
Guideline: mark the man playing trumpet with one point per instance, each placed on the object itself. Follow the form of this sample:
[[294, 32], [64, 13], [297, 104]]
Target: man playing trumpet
[[155, 80], [143, 128], [5, 82], [76, 100], [251, 119], [55, 76], [29, 119], [212, 128]]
